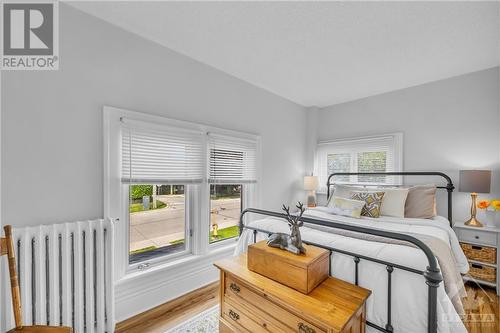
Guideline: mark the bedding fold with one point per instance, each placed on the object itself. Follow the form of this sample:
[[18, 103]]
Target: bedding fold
[[452, 280]]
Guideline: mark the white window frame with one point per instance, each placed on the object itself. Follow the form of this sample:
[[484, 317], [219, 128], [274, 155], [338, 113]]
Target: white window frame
[[116, 197], [338, 146], [224, 242], [189, 216]]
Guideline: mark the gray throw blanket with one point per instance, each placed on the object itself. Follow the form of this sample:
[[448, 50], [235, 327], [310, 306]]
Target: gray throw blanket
[[453, 283]]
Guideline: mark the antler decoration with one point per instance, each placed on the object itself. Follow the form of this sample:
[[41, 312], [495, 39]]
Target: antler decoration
[[292, 242], [294, 219]]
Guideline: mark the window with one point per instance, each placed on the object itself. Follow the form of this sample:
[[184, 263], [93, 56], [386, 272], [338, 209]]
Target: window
[[225, 210], [175, 188], [339, 163], [157, 217], [367, 154], [232, 167], [158, 166]]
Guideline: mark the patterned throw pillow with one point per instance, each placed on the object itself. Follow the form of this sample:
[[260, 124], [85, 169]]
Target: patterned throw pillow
[[373, 201]]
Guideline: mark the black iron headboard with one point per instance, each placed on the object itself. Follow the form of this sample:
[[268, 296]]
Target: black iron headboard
[[449, 184]]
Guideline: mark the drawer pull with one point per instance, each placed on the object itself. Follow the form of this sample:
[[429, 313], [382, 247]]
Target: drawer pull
[[303, 328], [234, 287], [479, 248], [234, 316], [477, 266], [476, 237]]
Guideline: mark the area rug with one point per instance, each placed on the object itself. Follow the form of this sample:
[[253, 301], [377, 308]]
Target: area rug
[[205, 322]]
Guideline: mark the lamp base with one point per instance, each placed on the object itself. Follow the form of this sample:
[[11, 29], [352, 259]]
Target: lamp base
[[311, 199], [473, 222]]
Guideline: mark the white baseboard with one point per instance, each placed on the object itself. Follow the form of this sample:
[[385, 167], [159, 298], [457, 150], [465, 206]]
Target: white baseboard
[[141, 293]]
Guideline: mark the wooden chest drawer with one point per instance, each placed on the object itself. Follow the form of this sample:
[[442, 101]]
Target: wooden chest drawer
[[243, 320], [483, 272], [265, 310], [480, 253], [225, 327], [252, 318], [253, 303], [477, 236]]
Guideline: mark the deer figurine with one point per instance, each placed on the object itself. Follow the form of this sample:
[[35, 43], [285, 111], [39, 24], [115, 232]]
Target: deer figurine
[[292, 242]]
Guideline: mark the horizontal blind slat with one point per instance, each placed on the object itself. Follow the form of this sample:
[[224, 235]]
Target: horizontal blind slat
[[232, 160], [161, 154], [355, 155]]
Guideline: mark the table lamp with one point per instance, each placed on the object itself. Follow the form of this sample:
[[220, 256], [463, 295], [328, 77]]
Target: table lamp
[[474, 181], [311, 185]]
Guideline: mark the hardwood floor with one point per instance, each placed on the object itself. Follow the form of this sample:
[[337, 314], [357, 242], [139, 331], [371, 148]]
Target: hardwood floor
[[168, 315], [482, 310], [481, 305]]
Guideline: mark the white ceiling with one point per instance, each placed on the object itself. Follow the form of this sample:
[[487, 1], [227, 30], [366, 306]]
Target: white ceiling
[[320, 53]]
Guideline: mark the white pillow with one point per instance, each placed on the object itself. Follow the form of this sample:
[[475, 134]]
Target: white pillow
[[393, 202]]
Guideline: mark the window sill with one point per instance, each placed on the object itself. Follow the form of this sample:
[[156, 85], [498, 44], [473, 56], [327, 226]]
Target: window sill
[[223, 244], [157, 266], [178, 263]]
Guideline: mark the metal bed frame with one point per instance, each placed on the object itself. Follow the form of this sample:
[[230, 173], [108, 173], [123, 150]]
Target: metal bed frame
[[432, 274]]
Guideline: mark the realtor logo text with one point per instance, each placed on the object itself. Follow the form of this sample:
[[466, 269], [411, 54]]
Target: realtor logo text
[[30, 36]]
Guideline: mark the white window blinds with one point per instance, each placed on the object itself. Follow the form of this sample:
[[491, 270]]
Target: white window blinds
[[232, 160], [161, 154], [370, 154]]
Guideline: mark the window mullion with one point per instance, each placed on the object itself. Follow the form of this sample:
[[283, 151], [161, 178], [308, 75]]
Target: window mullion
[[354, 165], [201, 228], [198, 220]]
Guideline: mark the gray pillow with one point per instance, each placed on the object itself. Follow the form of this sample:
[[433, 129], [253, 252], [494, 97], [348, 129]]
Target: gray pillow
[[421, 202]]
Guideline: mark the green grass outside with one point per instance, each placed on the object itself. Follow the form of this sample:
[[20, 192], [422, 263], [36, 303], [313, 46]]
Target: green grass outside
[[179, 241], [146, 249], [139, 207], [224, 233]]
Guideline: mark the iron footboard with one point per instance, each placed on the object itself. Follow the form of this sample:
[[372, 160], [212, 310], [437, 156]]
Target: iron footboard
[[432, 273]]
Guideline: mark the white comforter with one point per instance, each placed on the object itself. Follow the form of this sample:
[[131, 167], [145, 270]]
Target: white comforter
[[409, 291]]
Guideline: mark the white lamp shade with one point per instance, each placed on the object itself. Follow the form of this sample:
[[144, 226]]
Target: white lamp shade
[[311, 183]]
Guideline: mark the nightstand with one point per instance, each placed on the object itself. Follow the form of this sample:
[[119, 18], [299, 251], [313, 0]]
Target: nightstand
[[481, 247]]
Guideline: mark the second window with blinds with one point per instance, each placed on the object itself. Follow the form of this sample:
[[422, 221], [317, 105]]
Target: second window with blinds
[[231, 171], [169, 172], [382, 153]]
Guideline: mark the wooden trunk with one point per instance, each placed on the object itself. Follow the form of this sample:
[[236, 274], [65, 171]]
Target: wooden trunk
[[301, 272]]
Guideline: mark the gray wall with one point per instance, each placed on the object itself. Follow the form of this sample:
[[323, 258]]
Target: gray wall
[[52, 164], [448, 125], [52, 124]]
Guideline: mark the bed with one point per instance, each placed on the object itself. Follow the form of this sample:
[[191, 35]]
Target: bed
[[403, 272]]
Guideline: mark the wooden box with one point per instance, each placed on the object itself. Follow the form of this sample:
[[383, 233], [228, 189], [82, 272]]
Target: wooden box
[[300, 272]]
